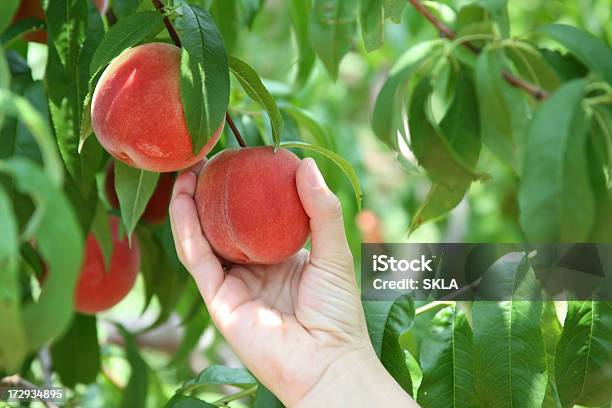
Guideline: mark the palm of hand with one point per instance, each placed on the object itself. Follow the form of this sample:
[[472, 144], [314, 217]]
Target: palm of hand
[[283, 312]]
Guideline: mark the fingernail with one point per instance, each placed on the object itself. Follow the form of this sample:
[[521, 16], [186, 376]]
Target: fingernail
[[315, 178]]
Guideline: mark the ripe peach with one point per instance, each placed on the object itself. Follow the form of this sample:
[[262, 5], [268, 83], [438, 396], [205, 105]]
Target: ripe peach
[[249, 207], [31, 9], [100, 288], [157, 208], [137, 113]]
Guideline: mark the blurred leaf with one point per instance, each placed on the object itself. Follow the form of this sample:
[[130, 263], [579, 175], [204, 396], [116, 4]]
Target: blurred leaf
[[125, 8], [250, 9], [551, 330], [76, 355], [306, 121], [18, 107], [225, 14], [503, 109], [498, 9], [435, 151], [393, 9], [127, 32], [184, 401], [446, 361], [533, 67], [217, 374], [566, 66], [332, 28], [583, 357], [387, 116], [556, 171], [599, 159], [54, 217], [371, 21], [13, 342], [338, 160], [193, 330], [205, 80], [101, 230], [386, 322], [135, 392], [7, 12], [299, 11], [256, 90], [585, 46], [265, 399], [134, 188], [509, 350], [443, 83]]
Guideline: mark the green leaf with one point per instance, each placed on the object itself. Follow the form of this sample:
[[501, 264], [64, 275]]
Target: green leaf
[[387, 116], [503, 109], [435, 151], [67, 30], [256, 90], [265, 399], [76, 355], [386, 322], [556, 172], [127, 32], [585, 46], [371, 21], [332, 27], [599, 157], [509, 351], [18, 107], [191, 335], [532, 66], [134, 189], [338, 160], [51, 313], [135, 392], [306, 121], [498, 10], [217, 374], [583, 357], [446, 361], [101, 230], [299, 11], [204, 80], [551, 330], [439, 200], [393, 9], [7, 12], [184, 401], [13, 342], [225, 14]]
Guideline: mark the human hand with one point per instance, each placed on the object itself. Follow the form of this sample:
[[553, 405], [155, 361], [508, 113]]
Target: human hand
[[298, 325]]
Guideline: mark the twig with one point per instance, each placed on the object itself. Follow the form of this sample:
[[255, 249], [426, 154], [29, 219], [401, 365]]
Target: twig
[[173, 34], [175, 37], [533, 90], [235, 131], [16, 380]]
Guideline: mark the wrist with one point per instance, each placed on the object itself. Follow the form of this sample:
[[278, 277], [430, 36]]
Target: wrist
[[356, 379]]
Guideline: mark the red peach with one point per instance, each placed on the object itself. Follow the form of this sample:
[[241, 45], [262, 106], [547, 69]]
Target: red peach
[[249, 207], [157, 208], [137, 113], [31, 9], [99, 287]]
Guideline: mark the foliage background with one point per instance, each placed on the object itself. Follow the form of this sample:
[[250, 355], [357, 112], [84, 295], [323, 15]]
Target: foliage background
[[161, 359]]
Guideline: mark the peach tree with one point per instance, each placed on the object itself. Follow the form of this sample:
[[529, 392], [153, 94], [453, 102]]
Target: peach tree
[[450, 92]]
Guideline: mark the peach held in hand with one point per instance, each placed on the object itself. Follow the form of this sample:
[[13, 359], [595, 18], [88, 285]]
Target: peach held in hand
[[99, 287], [249, 206], [137, 113]]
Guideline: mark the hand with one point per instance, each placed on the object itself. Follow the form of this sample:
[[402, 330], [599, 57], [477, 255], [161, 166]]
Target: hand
[[299, 325]]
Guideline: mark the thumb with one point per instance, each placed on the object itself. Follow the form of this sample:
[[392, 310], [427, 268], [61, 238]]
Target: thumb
[[329, 248]]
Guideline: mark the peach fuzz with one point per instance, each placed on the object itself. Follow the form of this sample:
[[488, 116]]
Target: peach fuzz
[[99, 287], [137, 113], [249, 207]]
